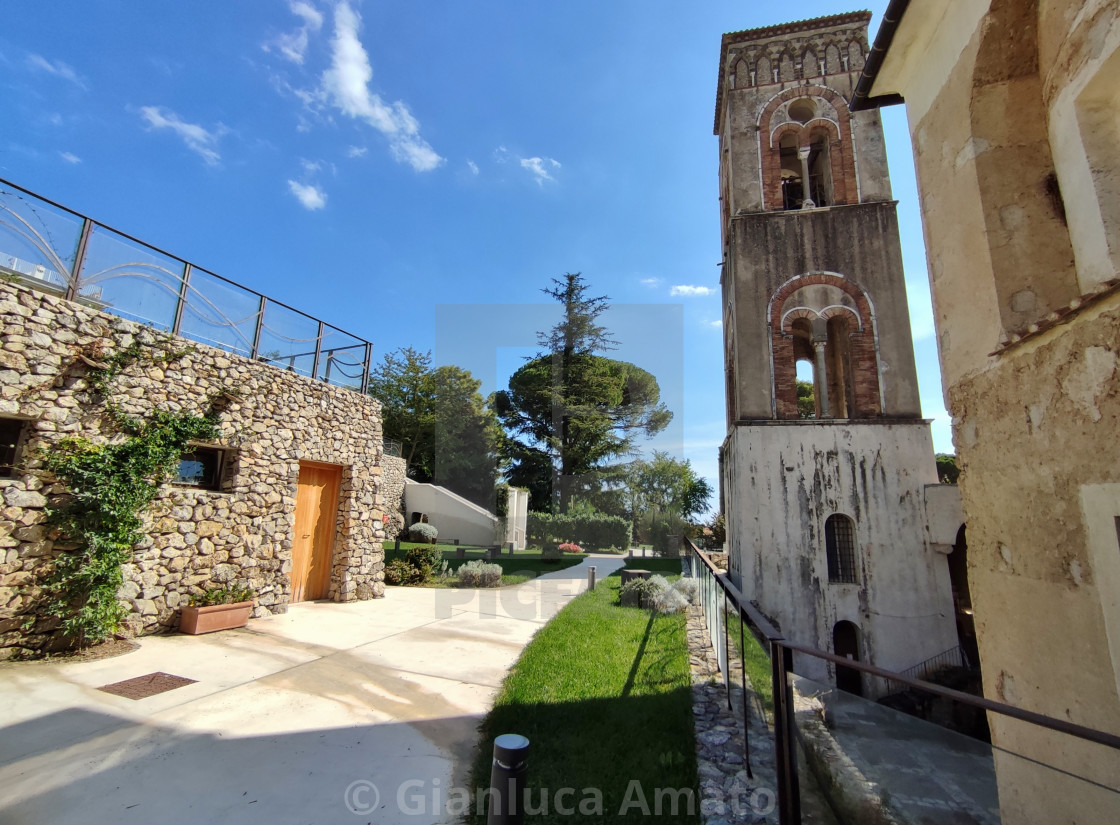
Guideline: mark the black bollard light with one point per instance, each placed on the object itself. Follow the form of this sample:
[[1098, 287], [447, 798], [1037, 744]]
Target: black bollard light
[[507, 780], [591, 577]]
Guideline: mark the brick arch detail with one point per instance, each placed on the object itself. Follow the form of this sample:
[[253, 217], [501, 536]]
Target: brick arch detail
[[841, 149], [862, 347]]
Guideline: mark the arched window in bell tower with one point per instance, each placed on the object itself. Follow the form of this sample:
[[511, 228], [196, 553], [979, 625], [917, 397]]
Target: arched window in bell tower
[[823, 333], [807, 158]]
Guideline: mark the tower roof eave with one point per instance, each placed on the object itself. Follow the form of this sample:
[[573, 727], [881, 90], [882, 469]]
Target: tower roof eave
[[764, 32]]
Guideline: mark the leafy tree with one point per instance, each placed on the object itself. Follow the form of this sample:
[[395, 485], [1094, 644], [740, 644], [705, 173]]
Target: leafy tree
[[570, 411], [663, 485], [806, 402], [718, 527], [448, 433], [466, 437], [947, 470], [402, 382]]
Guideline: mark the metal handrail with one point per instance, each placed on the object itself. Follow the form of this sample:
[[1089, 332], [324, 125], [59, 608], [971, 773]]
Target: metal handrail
[[73, 286], [781, 659]]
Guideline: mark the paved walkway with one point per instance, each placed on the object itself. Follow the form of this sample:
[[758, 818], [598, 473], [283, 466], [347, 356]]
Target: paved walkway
[[313, 716]]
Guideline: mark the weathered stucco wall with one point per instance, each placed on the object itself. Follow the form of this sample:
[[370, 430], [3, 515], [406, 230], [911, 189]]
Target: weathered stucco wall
[[785, 479], [1044, 601], [1012, 109], [859, 243], [195, 538]]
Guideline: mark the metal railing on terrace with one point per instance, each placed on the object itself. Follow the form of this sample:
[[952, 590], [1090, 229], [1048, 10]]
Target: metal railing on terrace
[[56, 249], [899, 768]]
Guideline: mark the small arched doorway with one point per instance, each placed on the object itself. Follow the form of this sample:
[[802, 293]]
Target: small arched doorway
[[845, 642]]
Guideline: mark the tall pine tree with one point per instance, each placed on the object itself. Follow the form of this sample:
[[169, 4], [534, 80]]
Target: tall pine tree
[[571, 411]]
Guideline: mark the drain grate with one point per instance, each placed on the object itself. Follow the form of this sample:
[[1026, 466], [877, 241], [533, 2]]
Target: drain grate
[[141, 687]]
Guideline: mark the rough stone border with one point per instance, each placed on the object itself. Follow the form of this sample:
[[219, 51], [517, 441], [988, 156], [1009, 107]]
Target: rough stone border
[[727, 794]]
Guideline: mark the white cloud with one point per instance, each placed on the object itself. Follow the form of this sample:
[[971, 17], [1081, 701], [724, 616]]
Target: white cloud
[[312, 17], [311, 166], [356, 151], [293, 45], [651, 282], [346, 85], [202, 141], [312, 197], [473, 167], [537, 167], [714, 324], [691, 291], [540, 168], [70, 157], [57, 68]]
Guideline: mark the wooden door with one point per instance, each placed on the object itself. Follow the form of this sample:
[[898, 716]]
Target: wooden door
[[313, 544]]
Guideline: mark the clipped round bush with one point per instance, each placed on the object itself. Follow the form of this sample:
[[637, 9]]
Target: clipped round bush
[[478, 573], [550, 552], [423, 532]]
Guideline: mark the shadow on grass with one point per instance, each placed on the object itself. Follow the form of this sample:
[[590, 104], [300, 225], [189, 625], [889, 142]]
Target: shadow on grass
[[626, 758], [603, 693]]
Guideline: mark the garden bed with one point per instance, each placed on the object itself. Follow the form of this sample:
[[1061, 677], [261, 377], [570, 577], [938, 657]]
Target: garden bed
[[516, 569]]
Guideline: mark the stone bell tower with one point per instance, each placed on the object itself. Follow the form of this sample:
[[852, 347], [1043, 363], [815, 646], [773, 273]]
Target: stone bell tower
[[825, 499]]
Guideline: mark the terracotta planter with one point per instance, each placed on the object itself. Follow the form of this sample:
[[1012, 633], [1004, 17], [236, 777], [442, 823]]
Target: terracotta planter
[[196, 620]]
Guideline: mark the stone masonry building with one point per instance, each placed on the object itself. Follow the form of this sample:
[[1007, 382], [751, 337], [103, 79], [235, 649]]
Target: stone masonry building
[[286, 502], [828, 518]]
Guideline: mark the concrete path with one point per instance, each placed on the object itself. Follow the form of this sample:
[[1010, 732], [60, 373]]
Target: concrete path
[[329, 711]]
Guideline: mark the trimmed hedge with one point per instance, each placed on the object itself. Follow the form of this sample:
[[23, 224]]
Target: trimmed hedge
[[590, 532]]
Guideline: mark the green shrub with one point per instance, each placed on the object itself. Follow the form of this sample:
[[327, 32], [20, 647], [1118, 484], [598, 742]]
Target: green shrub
[[423, 532], [637, 593], [551, 551], [590, 531], [478, 573], [398, 571], [221, 595]]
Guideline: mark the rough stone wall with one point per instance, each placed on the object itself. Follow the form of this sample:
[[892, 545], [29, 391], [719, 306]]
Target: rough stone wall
[[194, 538], [394, 470]]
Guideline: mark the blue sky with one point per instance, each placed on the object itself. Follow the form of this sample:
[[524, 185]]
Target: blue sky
[[389, 166]]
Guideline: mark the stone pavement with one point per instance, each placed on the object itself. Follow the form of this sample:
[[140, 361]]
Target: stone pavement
[[728, 794], [328, 711], [924, 772]]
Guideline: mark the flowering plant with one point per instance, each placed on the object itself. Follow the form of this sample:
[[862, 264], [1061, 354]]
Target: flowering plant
[[570, 547]]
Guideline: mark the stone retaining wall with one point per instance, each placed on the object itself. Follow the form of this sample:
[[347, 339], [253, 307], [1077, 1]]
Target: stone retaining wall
[[195, 539], [393, 474]]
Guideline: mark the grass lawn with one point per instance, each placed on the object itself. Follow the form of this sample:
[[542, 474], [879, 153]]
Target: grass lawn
[[603, 693], [518, 568], [658, 566]]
